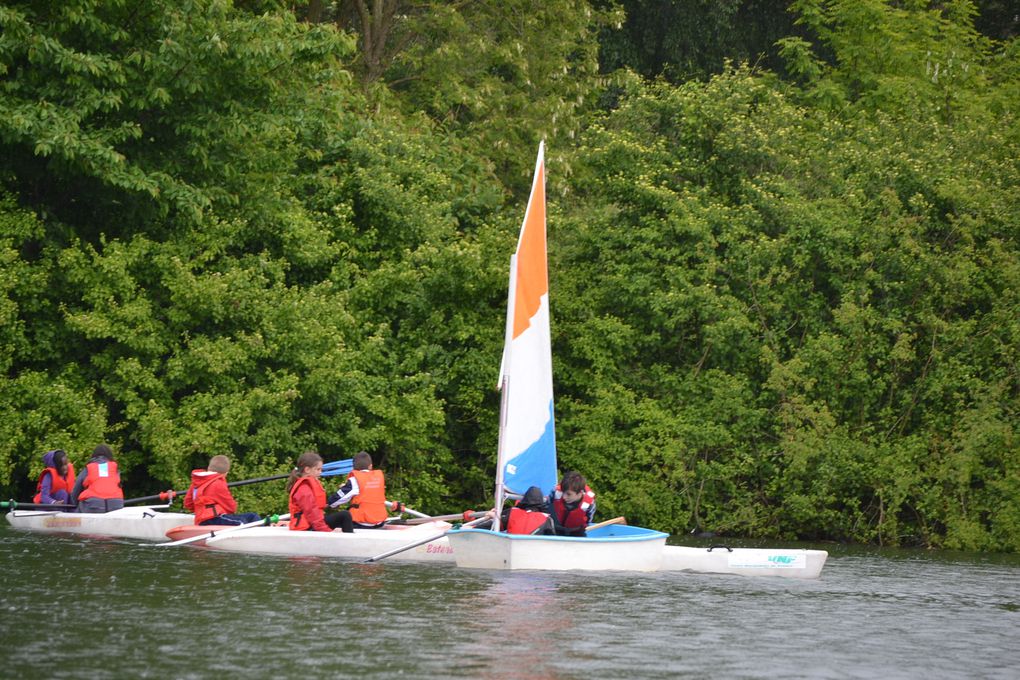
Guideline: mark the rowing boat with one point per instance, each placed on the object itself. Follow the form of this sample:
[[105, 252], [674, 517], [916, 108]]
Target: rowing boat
[[575, 553], [143, 522], [359, 545]]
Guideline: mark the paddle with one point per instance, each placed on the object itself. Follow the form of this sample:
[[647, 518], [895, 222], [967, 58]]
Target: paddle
[[404, 508], [615, 520], [56, 507], [339, 467], [442, 518], [415, 544], [219, 530]]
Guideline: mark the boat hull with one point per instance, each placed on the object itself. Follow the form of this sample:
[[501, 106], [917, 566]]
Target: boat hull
[[805, 564], [145, 523], [610, 548], [359, 545], [191, 530]]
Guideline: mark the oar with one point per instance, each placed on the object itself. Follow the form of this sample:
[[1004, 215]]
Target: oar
[[442, 518], [56, 507], [409, 511], [225, 530], [402, 548], [615, 520], [339, 467]]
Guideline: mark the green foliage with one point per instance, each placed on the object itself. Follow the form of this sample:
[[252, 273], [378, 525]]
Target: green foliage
[[905, 58], [501, 75], [682, 39]]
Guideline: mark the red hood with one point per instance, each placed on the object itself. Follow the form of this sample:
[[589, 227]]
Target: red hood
[[200, 477]]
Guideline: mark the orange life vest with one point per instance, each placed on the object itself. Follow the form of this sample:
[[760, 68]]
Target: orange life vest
[[298, 522], [209, 502], [57, 483], [523, 521], [369, 506], [101, 481]]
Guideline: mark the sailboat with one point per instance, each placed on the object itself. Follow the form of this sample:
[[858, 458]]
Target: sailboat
[[527, 438]]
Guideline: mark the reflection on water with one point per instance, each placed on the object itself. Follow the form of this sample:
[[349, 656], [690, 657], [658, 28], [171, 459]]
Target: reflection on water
[[515, 607], [112, 609]]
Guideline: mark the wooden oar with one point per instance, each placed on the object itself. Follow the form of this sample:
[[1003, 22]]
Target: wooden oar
[[338, 467], [219, 530], [615, 520], [55, 507], [415, 544]]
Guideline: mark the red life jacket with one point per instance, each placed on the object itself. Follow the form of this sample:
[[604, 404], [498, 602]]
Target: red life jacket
[[298, 522], [369, 506], [209, 496], [101, 481], [57, 483], [576, 518], [523, 521]]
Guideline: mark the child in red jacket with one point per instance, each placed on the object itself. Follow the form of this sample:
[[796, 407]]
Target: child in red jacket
[[307, 498], [210, 499]]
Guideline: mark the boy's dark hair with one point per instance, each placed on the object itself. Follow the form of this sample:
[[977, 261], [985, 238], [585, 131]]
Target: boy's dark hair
[[573, 481], [103, 450], [362, 460]]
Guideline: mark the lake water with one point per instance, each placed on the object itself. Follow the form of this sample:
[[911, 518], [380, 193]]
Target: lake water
[[79, 607]]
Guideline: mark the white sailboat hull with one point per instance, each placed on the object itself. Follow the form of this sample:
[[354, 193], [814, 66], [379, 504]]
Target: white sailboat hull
[[360, 545], [145, 523], [611, 548], [805, 564]]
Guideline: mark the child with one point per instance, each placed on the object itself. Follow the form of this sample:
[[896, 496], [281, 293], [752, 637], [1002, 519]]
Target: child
[[572, 505], [57, 480], [365, 490], [97, 488], [307, 497], [527, 516], [210, 499]]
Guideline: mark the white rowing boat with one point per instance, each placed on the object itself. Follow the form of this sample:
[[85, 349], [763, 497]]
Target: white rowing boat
[[144, 522], [580, 554], [360, 545], [782, 562]]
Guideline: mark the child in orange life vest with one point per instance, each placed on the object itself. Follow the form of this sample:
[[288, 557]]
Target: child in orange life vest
[[572, 505], [365, 490], [528, 516], [307, 497], [210, 499], [57, 479], [97, 488]]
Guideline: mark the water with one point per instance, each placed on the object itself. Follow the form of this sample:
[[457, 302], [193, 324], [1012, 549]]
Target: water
[[77, 607]]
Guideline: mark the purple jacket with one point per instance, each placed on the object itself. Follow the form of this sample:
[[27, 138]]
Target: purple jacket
[[46, 490]]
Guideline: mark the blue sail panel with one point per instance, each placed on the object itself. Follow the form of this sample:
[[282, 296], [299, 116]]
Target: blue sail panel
[[536, 465]]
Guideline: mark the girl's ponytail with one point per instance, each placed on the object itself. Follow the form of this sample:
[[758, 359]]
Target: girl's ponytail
[[308, 459]]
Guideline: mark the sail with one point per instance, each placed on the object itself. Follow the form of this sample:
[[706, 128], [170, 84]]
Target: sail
[[527, 445]]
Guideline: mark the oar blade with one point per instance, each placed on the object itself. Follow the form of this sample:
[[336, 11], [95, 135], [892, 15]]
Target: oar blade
[[224, 529]]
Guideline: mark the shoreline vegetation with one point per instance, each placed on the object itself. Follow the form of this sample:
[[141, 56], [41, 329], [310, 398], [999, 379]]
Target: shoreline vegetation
[[784, 245]]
